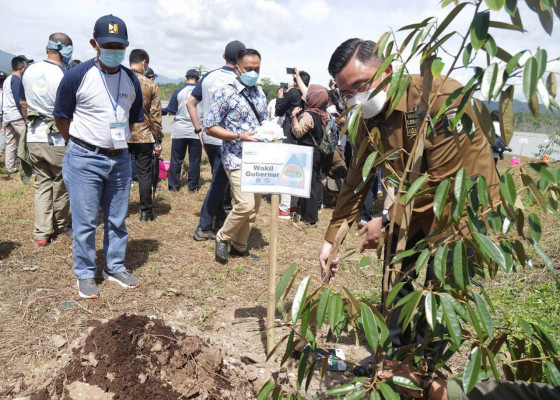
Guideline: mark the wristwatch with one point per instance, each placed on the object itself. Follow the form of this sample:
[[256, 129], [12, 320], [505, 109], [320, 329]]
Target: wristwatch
[[385, 218], [197, 131], [238, 139]]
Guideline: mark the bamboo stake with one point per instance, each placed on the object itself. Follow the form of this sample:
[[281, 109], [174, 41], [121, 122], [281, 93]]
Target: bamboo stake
[[271, 295]]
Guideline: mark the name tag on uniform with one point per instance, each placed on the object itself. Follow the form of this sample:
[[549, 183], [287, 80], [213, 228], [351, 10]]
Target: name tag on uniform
[[118, 135], [410, 121]]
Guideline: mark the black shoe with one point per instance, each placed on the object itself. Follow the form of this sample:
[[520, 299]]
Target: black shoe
[[173, 188], [147, 216], [200, 235], [245, 254], [221, 252]]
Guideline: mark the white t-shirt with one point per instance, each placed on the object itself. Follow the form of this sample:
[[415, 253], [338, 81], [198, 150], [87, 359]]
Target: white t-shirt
[[204, 91], [10, 109], [87, 101], [40, 84], [183, 127]]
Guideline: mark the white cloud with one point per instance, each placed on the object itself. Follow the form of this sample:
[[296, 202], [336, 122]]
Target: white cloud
[[179, 34]]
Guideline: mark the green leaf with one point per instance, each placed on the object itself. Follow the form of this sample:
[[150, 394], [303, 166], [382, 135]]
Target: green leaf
[[459, 193], [530, 77], [365, 262], [289, 348], [545, 16], [467, 55], [507, 117], [490, 46], [472, 369], [551, 84], [440, 262], [485, 317], [414, 187], [541, 58], [451, 319], [514, 62], [460, 265], [430, 306], [284, 281], [543, 171], [489, 249], [403, 85], [495, 5], [535, 227], [448, 19], [299, 299], [482, 188], [547, 261], [384, 66], [358, 394], [334, 310], [353, 123], [347, 388], [422, 259], [479, 29], [504, 25], [489, 80], [432, 49], [370, 327], [266, 389], [511, 6], [382, 43], [485, 120], [393, 293], [302, 365], [437, 67], [440, 198], [322, 307], [534, 104], [404, 382], [368, 165], [396, 76], [553, 373], [388, 392], [508, 188]]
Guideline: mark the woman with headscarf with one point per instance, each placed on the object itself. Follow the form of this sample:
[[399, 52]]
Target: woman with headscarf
[[308, 129]]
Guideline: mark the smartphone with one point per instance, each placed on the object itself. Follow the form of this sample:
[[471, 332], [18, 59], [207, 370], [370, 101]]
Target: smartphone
[[283, 85], [290, 71]]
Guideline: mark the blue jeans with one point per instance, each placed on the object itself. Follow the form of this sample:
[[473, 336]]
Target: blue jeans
[[213, 203], [178, 151], [94, 180]]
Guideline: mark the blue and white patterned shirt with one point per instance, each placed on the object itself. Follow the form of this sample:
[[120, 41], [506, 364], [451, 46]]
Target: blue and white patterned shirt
[[231, 111]]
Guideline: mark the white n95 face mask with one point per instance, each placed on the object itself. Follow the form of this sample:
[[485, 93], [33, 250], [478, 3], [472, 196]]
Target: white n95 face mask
[[370, 107]]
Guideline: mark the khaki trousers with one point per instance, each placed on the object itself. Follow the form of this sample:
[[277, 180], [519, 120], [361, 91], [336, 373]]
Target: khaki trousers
[[14, 130], [52, 207], [240, 220]]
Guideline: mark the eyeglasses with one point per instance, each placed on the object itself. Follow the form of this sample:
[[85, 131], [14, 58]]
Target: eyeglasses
[[361, 89]]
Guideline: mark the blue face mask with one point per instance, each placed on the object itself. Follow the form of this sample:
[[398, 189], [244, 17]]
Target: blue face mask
[[111, 57], [64, 51], [250, 78]]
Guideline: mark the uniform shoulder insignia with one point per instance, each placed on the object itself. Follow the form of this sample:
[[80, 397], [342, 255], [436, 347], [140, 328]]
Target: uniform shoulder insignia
[[411, 123], [448, 117]]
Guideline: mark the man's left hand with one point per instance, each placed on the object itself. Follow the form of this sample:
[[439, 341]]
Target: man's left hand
[[373, 232]]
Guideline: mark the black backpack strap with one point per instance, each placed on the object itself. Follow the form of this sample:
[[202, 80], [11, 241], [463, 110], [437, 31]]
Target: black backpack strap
[[250, 103]]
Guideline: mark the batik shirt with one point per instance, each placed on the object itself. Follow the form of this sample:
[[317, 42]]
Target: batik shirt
[[231, 111]]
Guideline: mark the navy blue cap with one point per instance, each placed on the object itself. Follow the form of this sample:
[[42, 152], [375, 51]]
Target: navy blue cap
[[151, 74], [27, 60], [192, 73], [110, 29], [233, 48]]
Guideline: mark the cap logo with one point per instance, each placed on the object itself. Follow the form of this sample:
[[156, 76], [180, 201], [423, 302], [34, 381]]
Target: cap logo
[[114, 28]]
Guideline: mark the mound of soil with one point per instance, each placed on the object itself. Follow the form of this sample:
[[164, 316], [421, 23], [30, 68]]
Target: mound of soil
[[135, 357]]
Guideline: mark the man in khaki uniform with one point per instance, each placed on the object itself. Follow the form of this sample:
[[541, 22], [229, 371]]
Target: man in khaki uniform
[[145, 138], [352, 65]]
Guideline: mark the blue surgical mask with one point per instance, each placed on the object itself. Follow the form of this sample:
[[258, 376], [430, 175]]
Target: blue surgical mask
[[64, 50], [250, 78], [111, 57]]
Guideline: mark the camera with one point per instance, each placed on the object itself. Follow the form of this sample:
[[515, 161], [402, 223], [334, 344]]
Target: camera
[[283, 85], [290, 71]]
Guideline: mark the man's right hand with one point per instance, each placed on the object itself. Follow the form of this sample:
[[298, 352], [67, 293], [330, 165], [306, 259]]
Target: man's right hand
[[248, 137], [324, 256], [373, 232]]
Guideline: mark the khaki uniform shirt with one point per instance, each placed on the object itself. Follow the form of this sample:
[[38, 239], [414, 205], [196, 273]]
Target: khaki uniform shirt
[[148, 131], [441, 160], [492, 390]]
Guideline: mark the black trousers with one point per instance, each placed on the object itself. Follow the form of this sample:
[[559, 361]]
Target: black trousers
[[143, 153], [401, 338], [310, 207], [178, 151]]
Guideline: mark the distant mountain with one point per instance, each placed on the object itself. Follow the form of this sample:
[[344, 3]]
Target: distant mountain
[[162, 80], [518, 106], [6, 62]]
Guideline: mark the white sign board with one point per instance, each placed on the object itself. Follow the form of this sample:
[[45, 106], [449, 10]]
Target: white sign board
[[276, 168], [523, 140]]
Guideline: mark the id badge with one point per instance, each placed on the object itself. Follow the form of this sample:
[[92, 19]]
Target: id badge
[[118, 135]]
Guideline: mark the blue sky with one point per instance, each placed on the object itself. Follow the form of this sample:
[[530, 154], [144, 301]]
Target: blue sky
[[179, 34]]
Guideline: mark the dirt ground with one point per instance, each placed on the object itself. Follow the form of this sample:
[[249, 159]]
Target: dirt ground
[[192, 328]]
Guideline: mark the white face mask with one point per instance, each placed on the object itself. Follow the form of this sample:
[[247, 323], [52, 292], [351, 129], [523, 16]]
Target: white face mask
[[371, 107]]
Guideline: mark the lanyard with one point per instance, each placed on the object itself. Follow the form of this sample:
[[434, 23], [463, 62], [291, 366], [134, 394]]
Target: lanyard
[[113, 104]]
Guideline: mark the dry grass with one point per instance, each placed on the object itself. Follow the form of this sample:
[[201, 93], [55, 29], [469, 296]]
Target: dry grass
[[38, 296]]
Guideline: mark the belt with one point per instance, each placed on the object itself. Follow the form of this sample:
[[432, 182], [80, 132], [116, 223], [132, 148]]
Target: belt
[[99, 150]]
